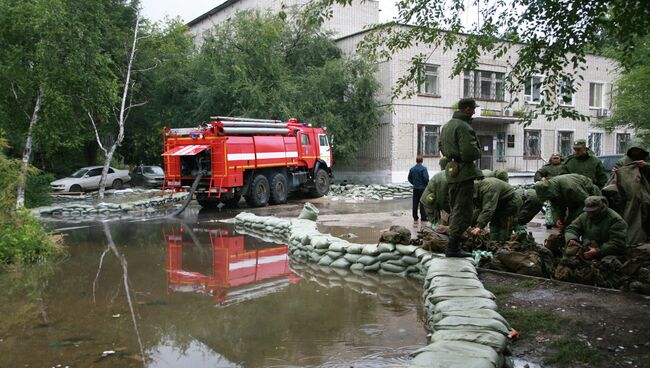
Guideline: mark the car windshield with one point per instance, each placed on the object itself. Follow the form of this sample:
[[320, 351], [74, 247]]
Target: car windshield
[[79, 173], [156, 170]]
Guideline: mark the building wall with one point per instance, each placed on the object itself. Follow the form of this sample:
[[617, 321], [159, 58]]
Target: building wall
[[437, 109], [345, 20]]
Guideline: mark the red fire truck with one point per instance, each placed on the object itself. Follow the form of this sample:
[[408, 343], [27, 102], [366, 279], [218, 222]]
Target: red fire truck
[[262, 160]]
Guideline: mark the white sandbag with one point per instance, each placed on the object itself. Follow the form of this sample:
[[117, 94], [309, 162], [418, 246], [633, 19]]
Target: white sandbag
[[370, 250], [338, 245], [367, 260], [409, 260], [340, 263], [385, 247], [392, 268], [335, 255], [388, 256], [443, 293], [493, 339], [469, 323], [355, 248], [325, 261], [406, 249], [353, 258], [309, 212]]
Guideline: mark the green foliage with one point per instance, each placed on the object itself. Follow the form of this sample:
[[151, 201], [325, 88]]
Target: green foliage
[[549, 37], [37, 192], [23, 240], [263, 66], [632, 90]]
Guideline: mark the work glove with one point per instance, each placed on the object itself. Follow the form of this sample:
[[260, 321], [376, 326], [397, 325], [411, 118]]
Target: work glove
[[590, 253]]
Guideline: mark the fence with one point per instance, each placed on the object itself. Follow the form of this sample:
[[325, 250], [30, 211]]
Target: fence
[[510, 163]]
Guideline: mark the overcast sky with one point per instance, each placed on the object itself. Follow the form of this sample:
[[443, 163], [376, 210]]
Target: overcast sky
[[190, 9]]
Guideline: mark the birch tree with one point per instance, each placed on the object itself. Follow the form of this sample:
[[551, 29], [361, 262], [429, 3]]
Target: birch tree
[[120, 115]]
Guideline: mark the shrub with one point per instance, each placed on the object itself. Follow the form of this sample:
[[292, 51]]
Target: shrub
[[23, 240], [37, 192]]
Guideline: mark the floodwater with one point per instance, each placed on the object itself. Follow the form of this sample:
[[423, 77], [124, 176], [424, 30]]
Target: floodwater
[[169, 293]]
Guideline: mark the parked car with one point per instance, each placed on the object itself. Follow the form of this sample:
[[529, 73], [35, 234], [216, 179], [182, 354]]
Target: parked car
[[87, 178], [148, 176], [609, 162]]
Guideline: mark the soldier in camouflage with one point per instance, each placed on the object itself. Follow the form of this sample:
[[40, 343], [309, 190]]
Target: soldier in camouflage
[[499, 205], [566, 194], [598, 232], [553, 168], [435, 197], [459, 144], [585, 163]]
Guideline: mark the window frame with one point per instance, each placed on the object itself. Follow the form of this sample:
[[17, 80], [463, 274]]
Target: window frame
[[616, 142], [602, 95], [539, 144], [421, 87], [473, 84], [421, 140], [528, 98], [558, 147], [560, 95], [590, 142]]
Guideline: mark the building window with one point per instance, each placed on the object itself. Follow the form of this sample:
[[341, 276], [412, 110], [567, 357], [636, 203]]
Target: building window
[[532, 143], [565, 143], [596, 95], [621, 142], [511, 141], [594, 142], [484, 85], [501, 146], [533, 89], [428, 137], [429, 80], [565, 93]]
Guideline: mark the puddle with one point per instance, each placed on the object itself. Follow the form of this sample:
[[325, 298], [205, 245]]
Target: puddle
[[200, 295]]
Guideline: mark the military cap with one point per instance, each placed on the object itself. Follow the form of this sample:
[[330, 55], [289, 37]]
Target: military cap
[[556, 154], [579, 143], [593, 203], [501, 174], [466, 102]]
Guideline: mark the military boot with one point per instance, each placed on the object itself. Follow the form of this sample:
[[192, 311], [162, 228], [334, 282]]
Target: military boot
[[454, 250]]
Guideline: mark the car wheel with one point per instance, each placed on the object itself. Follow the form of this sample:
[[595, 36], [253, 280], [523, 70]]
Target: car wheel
[[75, 188], [117, 184]]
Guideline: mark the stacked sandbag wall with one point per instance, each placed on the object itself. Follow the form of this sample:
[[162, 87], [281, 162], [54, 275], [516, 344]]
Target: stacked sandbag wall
[[80, 210], [466, 329], [370, 192]]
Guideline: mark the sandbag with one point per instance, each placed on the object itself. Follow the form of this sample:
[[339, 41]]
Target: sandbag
[[334, 255], [354, 248], [339, 246], [464, 352], [356, 267], [443, 293], [388, 256], [406, 249], [367, 260], [372, 267], [451, 265], [455, 274], [460, 283], [469, 323], [340, 263], [493, 339], [353, 258], [385, 247], [409, 260], [472, 313], [392, 268], [325, 260], [528, 263], [370, 250], [430, 359], [309, 212]]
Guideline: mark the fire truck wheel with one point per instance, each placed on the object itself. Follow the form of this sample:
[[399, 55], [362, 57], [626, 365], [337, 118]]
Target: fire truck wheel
[[279, 188], [321, 184], [259, 192]]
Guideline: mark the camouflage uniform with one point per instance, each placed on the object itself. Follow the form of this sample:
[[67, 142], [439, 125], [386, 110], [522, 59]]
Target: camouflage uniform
[[549, 171], [458, 142], [607, 231], [499, 205], [587, 165], [567, 194], [530, 207], [435, 198]]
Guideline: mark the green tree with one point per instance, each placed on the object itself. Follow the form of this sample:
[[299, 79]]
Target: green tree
[[632, 90], [552, 37], [268, 66], [55, 56]]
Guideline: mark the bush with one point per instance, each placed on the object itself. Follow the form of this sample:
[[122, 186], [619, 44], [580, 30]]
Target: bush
[[23, 240], [37, 192]]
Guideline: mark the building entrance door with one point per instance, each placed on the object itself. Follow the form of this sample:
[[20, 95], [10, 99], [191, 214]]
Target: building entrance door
[[487, 152]]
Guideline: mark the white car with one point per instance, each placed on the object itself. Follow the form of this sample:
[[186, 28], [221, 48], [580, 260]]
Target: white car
[[87, 178]]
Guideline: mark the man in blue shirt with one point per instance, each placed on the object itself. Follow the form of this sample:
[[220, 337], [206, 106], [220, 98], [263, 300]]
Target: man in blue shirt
[[419, 178]]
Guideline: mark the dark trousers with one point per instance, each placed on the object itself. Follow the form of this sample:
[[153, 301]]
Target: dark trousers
[[461, 202], [417, 194]]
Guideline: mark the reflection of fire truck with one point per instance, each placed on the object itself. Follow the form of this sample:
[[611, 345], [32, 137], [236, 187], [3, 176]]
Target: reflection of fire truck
[[263, 160], [237, 273]]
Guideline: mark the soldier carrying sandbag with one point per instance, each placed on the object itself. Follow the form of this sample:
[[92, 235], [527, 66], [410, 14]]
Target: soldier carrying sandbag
[[567, 194]]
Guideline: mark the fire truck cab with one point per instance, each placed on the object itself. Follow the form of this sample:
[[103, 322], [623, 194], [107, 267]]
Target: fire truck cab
[[261, 160]]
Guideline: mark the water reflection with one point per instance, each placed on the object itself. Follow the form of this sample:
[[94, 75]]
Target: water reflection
[[79, 308], [237, 273]]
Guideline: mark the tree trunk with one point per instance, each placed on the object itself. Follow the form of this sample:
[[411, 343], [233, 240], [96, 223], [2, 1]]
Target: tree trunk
[[107, 162], [22, 179]]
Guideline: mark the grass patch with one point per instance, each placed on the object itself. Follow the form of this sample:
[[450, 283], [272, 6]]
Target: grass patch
[[529, 321], [569, 350], [528, 283], [501, 290]]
